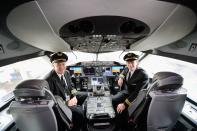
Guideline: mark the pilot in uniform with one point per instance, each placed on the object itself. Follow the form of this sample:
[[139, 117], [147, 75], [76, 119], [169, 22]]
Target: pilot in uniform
[[60, 84], [131, 80]]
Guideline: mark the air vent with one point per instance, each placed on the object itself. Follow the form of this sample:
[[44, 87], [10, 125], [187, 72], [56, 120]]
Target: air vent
[[127, 27], [86, 26], [81, 26], [73, 28], [139, 29], [105, 25]]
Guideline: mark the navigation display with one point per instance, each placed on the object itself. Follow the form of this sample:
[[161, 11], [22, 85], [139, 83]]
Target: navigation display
[[89, 71], [117, 69], [107, 71], [75, 70], [97, 81]]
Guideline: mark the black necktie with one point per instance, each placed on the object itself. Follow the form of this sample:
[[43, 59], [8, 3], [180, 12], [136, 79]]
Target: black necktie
[[129, 75], [63, 81], [64, 85]]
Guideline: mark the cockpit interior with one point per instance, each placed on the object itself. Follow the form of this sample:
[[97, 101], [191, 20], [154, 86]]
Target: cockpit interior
[[96, 35]]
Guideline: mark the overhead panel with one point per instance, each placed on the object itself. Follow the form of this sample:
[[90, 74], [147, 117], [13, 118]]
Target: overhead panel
[[103, 33]]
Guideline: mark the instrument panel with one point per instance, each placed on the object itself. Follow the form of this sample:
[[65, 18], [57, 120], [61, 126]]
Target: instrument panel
[[95, 78], [95, 70], [99, 106]]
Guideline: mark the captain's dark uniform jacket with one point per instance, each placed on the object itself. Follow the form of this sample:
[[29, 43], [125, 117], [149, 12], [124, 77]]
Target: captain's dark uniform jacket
[[139, 80], [56, 86]]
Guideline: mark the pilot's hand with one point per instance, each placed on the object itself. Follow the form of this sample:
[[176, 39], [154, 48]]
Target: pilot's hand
[[120, 82], [75, 100], [72, 101], [120, 107]]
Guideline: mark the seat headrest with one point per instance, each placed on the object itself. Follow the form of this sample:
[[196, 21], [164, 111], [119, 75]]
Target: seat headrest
[[31, 88], [166, 81]]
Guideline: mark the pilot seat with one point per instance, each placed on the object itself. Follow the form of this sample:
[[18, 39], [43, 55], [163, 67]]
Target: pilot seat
[[36, 109], [158, 107]]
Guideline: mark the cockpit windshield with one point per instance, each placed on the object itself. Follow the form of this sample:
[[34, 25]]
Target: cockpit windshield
[[117, 56]]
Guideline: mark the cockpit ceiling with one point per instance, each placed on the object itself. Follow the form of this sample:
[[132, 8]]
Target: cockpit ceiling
[[52, 25]]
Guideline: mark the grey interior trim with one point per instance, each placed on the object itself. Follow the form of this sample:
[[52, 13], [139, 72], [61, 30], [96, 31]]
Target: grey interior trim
[[20, 58], [172, 55], [28, 23], [169, 31]]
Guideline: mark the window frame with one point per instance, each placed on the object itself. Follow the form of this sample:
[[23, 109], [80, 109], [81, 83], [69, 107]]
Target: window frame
[[9, 97]]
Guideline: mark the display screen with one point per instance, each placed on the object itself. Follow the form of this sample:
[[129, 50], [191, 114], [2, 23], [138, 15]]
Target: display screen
[[107, 71], [89, 71], [100, 80], [75, 70], [97, 81], [117, 69]]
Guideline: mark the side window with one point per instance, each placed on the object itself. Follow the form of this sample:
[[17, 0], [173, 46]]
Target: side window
[[13, 74]]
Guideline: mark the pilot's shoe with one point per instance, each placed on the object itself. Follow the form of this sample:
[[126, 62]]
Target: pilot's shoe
[[58, 57], [130, 57]]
